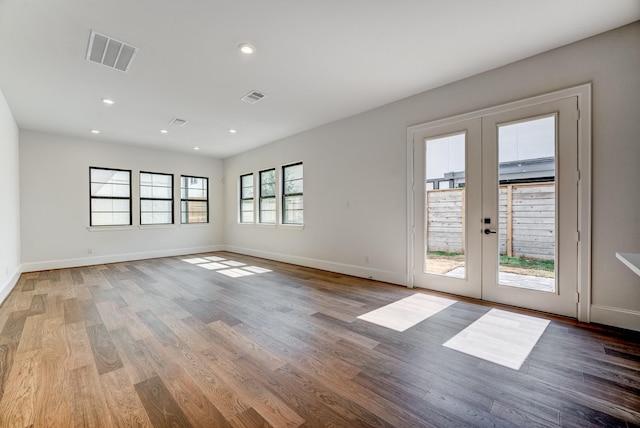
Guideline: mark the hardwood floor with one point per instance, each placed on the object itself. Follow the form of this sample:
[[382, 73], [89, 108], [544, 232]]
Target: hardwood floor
[[166, 342]]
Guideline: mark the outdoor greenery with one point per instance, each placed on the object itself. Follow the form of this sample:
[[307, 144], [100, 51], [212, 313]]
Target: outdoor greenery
[[443, 254], [546, 265], [521, 262]]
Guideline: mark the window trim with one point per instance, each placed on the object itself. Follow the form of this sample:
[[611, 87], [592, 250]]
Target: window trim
[[158, 199], [194, 200], [252, 199], [91, 198], [261, 198], [284, 194]]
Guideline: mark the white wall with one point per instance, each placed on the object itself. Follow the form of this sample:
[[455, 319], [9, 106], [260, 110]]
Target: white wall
[[54, 173], [355, 171], [10, 197]]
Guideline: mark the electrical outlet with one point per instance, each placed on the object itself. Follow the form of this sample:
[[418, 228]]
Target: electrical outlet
[[367, 259], [89, 250]]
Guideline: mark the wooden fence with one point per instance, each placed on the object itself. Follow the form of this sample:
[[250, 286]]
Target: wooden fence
[[527, 220]]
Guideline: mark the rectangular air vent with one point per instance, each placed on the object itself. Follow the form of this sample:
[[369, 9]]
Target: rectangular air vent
[[177, 122], [253, 97], [110, 52]]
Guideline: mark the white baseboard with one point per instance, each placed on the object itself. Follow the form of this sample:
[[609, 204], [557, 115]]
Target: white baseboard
[[115, 258], [615, 317], [353, 270], [6, 288]]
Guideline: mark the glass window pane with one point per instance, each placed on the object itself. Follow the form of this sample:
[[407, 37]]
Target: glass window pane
[[146, 179], [268, 183], [294, 217], [247, 205], [105, 205], [146, 191], [445, 206], [246, 186], [161, 192], [110, 219], [110, 190], [293, 172], [268, 217], [268, 210], [247, 193], [162, 180], [194, 212], [293, 210], [162, 206], [294, 186], [527, 204], [110, 176], [161, 218]]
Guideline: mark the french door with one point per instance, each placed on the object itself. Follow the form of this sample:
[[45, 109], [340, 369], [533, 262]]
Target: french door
[[495, 207]]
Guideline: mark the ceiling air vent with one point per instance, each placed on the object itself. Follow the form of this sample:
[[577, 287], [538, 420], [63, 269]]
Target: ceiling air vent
[[177, 122], [110, 52], [253, 97]]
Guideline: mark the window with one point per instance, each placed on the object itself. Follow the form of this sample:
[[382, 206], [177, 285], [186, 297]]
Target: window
[[292, 190], [246, 198], [156, 198], [268, 196], [110, 202], [194, 199]]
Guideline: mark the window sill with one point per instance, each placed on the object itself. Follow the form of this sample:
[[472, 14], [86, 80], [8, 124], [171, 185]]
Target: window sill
[[156, 226], [194, 225], [266, 225], [292, 226], [273, 226], [108, 228]]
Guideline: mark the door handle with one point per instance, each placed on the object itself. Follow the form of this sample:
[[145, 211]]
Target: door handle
[[488, 231]]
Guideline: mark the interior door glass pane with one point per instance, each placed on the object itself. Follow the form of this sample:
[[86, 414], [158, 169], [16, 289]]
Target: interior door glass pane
[[527, 204], [445, 206]]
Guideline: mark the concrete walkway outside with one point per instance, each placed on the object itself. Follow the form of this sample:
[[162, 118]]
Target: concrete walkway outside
[[515, 280]]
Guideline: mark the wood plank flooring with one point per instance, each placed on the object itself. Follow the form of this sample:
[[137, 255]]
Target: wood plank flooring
[[164, 342]]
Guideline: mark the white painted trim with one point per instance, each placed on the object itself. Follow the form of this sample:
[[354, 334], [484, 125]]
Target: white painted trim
[[115, 258], [616, 317], [410, 209], [10, 284], [108, 228], [352, 270], [583, 93]]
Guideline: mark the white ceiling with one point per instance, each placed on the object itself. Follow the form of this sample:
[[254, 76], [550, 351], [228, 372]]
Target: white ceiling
[[317, 61]]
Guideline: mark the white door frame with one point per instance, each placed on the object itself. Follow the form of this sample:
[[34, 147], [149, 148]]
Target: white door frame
[[583, 93]]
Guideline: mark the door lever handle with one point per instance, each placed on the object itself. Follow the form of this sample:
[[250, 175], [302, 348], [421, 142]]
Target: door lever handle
[[488, 231]]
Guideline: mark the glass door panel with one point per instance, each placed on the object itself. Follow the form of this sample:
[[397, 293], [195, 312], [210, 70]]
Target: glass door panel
[[529, 207], [527, 203], [446, 194], [445, 206]]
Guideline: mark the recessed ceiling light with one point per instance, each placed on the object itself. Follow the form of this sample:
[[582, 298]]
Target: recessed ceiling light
[[164, 131], [233, 131], [246, 48], [108, 101], [196, 148], [95, 131]]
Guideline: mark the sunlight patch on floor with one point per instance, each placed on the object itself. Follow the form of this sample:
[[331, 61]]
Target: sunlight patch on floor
[[230, 268], [502, 337], [407, 312]]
